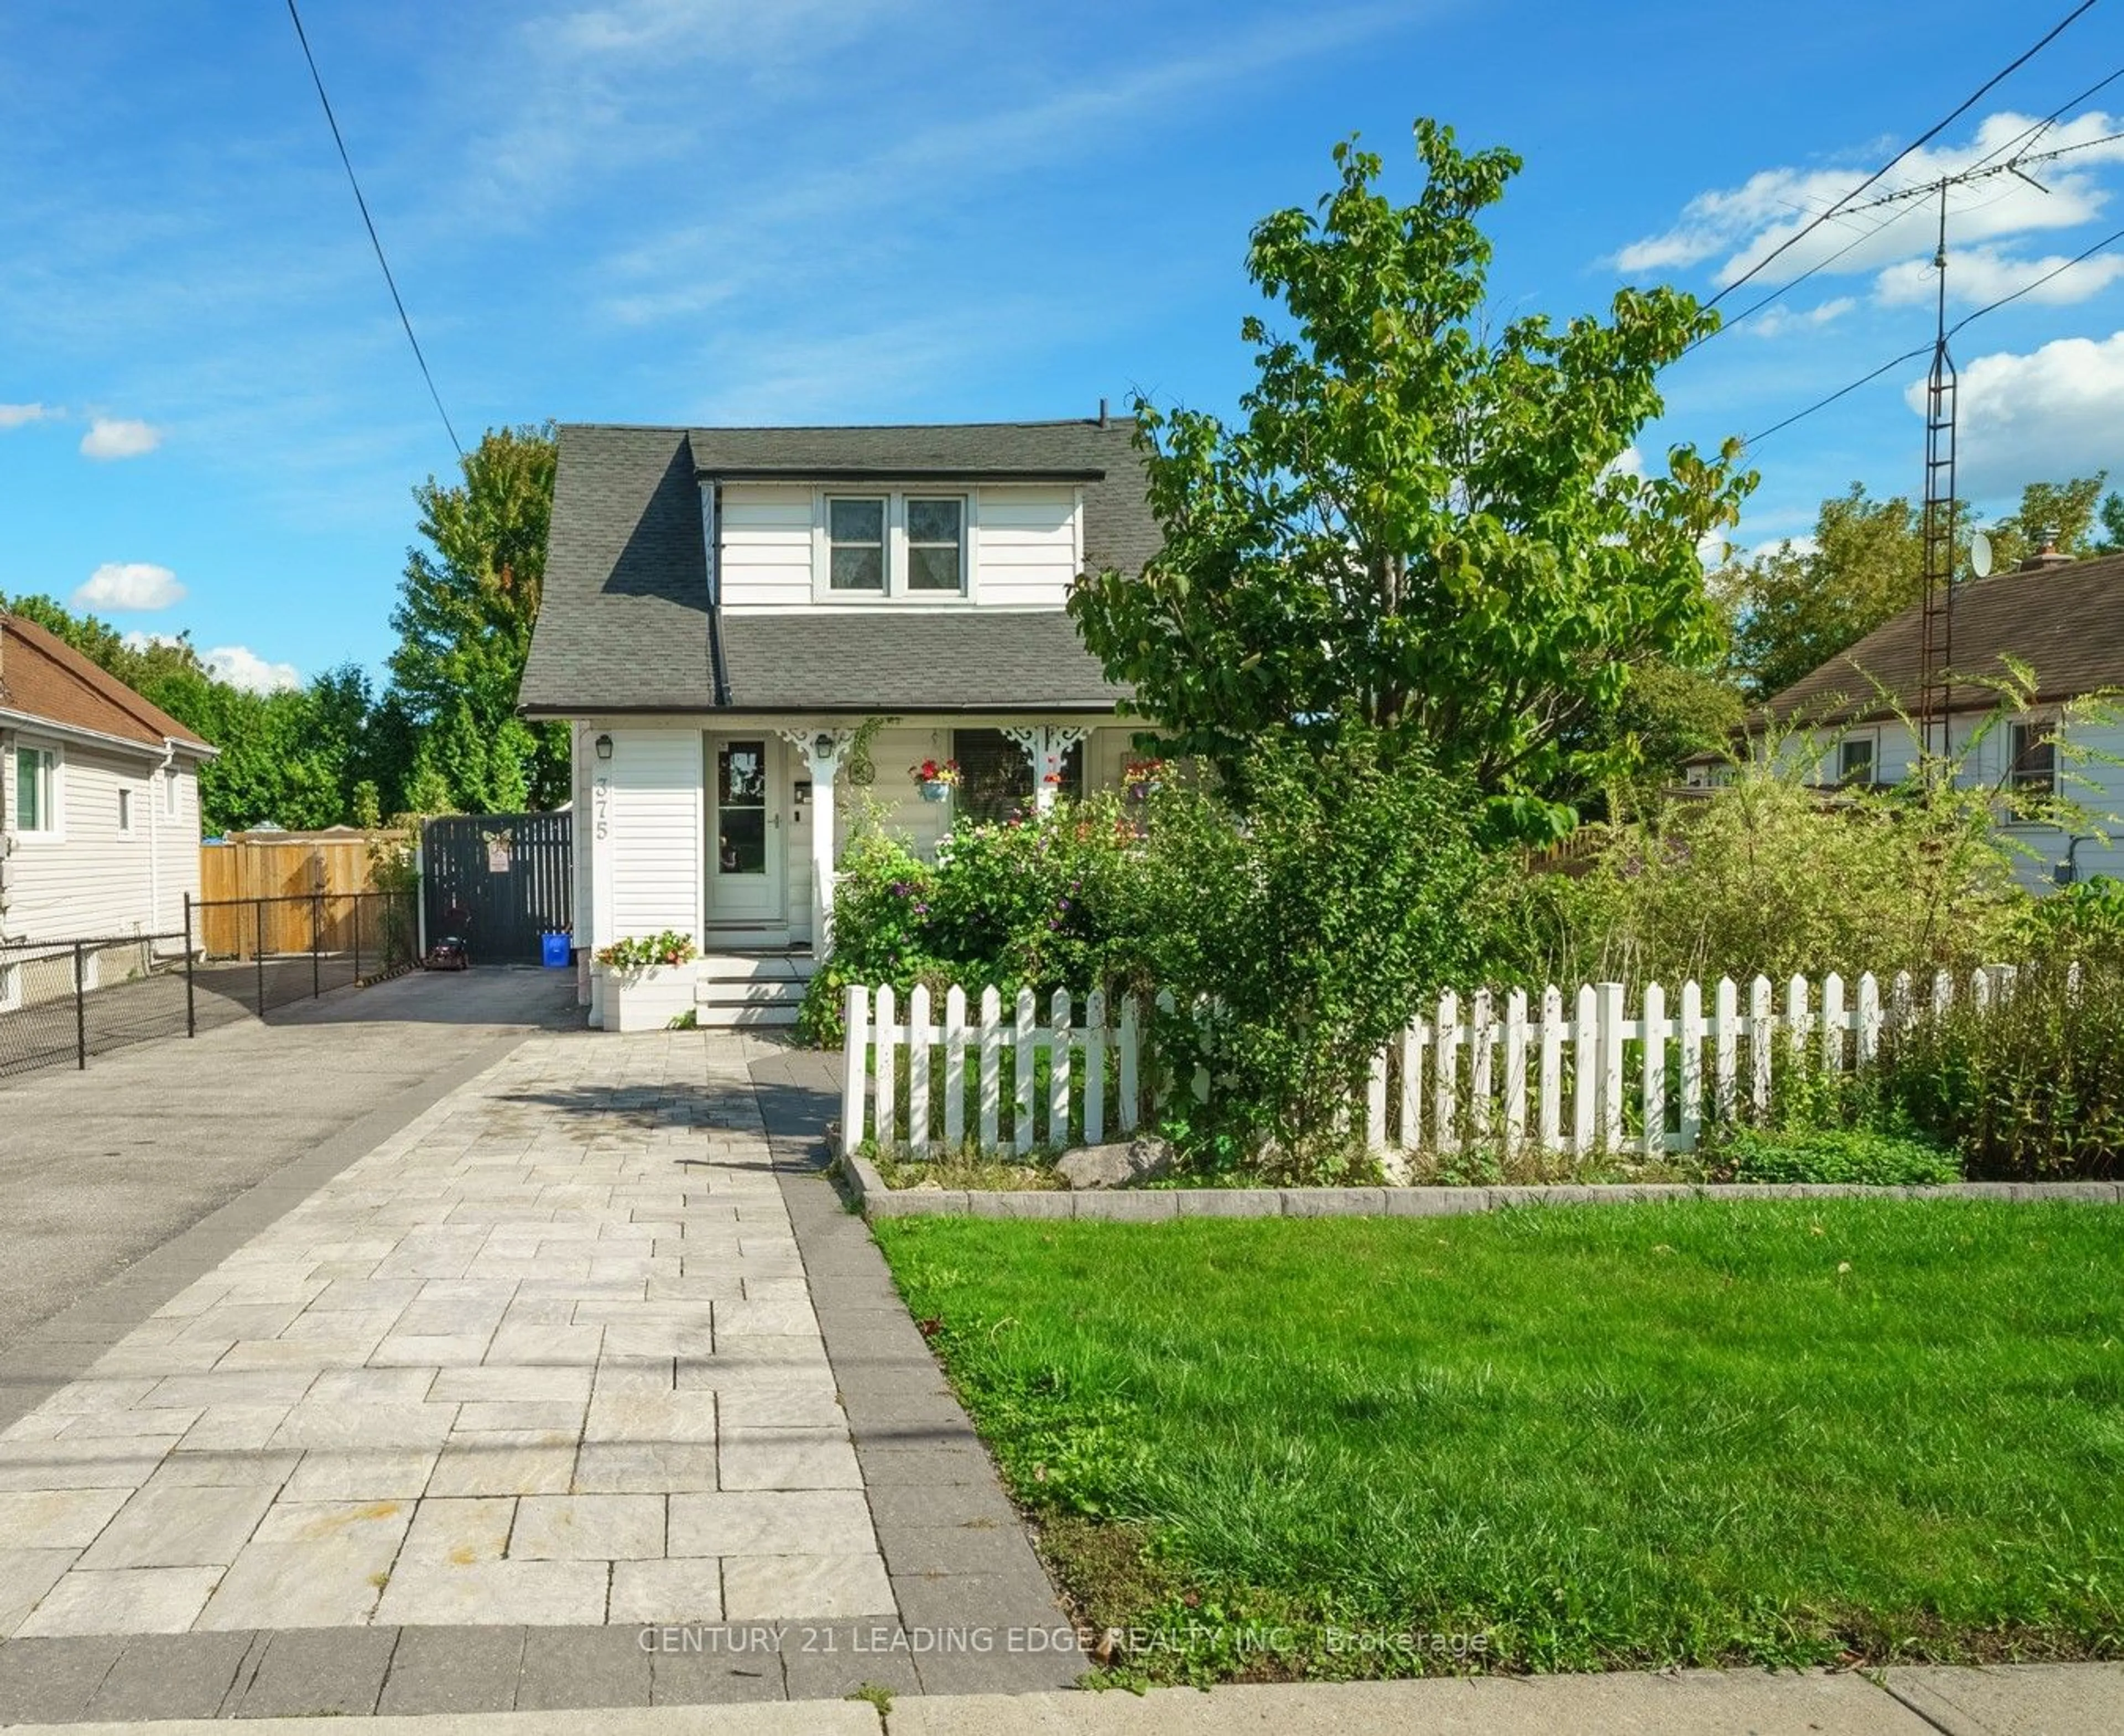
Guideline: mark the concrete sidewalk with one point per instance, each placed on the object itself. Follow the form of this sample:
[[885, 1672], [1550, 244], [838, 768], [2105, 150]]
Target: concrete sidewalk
[[2037, 1700]]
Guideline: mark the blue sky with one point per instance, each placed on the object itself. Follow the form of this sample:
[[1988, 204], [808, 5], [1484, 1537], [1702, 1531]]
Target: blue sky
[[691, 210]]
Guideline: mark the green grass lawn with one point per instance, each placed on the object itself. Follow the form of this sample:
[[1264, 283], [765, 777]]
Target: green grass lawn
[[1577, 1438]]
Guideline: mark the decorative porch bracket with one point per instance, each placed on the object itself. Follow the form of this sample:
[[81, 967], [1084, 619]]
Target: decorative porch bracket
[[1045, 746], [822, 751]]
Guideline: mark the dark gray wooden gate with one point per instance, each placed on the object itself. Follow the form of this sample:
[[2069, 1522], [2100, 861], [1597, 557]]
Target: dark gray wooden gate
[[502, 881]]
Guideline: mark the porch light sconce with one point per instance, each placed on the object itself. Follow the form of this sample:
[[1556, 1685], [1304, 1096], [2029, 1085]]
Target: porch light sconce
[[823, 746], [604, 745]]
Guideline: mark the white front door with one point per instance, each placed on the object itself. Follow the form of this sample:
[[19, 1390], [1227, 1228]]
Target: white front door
[[747, 824]]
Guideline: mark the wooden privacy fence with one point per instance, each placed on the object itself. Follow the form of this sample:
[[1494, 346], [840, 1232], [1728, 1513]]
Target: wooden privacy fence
[[285, 868], [1493, 1070]]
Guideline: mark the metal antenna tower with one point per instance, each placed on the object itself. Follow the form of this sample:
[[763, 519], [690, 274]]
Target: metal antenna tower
[[1936, 632]]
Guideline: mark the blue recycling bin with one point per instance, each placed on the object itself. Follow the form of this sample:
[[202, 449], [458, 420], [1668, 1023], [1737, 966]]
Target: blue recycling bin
[[554, 951]]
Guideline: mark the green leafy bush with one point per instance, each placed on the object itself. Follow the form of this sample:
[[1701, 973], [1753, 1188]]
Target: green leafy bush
[[1767, 875], [1849, 1155], [1296, 934], [1033, 901], [880, 911], [2030, 1088], [2085, 921]]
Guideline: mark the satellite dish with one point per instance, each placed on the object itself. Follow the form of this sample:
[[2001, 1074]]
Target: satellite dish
[[1979, 555]]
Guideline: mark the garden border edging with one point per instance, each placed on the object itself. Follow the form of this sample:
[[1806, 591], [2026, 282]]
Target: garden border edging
[[1149, 1205]]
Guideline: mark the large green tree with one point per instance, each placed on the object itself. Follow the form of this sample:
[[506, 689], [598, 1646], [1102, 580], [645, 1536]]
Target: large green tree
[[1422, 523], [465, 608]]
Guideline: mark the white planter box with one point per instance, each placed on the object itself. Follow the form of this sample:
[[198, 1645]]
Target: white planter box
[[646, 1000]]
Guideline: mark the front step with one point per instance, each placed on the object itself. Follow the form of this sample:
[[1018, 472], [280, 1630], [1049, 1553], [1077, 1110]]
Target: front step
[[750, 989]]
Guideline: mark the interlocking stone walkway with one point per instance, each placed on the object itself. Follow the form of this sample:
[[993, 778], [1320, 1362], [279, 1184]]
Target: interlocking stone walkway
[[548, 1356]]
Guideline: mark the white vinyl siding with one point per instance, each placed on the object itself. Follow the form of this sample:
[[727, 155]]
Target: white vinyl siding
[[766, 546], [1027, 546], [2089, 773], [1021, 546], [656, 820], [98, 879]]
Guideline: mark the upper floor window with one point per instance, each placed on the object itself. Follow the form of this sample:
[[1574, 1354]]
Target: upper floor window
[[173, 792], [2034, 747], [895, 546], [124, 811], [855, 543], [37, 792], [936, 545]]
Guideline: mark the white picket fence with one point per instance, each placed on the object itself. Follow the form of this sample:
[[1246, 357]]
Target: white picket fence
[[1508, 1071], [1092, 1067]]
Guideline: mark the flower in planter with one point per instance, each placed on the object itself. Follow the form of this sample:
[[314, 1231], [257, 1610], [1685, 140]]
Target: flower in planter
[[643, 952], [934, 777]]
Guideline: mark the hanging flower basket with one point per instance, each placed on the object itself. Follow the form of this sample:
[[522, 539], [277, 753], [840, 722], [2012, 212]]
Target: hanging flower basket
[[933, 778]]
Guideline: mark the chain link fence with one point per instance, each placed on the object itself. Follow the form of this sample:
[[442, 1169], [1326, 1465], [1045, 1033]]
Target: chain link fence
[[64, 1000]]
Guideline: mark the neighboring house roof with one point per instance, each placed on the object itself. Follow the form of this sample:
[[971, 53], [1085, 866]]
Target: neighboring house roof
[[2063, 623], [623, 619], [42, 678]]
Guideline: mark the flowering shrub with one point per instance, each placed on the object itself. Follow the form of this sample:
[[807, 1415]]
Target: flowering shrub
[[1032, 901], [642, 952]]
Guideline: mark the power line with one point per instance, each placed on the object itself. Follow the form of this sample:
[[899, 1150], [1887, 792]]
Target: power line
[[2020, 140], [1922, 139], [2013, 166], [2037, 283], [1909, 355], [374, 241]]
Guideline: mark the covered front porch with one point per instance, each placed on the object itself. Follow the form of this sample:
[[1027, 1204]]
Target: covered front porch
[[729, 829]]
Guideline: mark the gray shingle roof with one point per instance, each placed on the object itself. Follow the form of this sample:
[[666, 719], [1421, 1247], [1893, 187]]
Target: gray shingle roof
[[624, 624], [889, 659]]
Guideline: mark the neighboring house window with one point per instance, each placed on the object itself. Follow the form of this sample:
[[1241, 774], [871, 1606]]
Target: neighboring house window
[[37, 792], [124, 813], [996, 777], [855, 545], [936, 545], [1854, 760], [2035, 758], [172, 792]]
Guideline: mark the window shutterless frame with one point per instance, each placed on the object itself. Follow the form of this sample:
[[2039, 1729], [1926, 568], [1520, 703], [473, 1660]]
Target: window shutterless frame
[[36, 809], [2034, 747], [893, 546]]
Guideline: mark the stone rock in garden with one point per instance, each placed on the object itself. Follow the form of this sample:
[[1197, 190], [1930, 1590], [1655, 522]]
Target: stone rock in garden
[[1116, 1166]]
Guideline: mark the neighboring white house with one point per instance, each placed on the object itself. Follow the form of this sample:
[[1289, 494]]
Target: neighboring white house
[[724, 608], [99, 799], [2063, 621]]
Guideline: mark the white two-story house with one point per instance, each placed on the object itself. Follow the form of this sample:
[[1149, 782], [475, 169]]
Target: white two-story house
[[725, 609]]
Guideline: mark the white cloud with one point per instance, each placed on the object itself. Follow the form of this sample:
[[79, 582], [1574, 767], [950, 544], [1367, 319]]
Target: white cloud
[[1775, 322], [137, 640], [129, 584], [15, 415], [1748, 223], [1985, 273], [241, 667], [111, 437], [2049, 414]]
